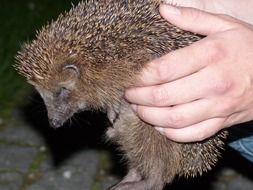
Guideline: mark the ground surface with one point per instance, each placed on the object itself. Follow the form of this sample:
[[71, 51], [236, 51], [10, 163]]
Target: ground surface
[[36, 157]]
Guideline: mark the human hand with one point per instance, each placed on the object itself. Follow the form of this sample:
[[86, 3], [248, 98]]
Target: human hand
[[192, 93]]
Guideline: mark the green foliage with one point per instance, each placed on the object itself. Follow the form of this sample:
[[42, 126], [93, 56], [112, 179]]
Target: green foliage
[[19, 20]]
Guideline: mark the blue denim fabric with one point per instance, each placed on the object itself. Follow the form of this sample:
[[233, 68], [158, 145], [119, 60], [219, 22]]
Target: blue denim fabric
[[244, 147], [241, 139]]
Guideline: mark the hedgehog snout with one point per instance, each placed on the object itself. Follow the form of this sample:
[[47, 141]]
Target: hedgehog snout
[[58, 113], [55, 123], [56, 119]]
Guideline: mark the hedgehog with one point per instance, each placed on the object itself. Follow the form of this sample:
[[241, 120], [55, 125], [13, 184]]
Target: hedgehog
[[88, 57]]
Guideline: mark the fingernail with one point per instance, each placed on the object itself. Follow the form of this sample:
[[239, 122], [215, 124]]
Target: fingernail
[[171, 9], [134, 107], [160, 130]]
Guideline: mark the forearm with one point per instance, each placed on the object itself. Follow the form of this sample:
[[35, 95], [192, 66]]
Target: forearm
[[241, 10]]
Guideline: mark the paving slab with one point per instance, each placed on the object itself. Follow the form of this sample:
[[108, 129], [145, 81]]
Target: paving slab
[[21, 134], [16, 158], [76, 173], [10, 180]]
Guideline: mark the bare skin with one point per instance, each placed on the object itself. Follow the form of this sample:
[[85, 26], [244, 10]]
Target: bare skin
[[228, 7], [192, 93]]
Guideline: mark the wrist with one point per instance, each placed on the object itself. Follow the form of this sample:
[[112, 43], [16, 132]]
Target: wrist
[[241, 11], [219, 7], [198, 4]]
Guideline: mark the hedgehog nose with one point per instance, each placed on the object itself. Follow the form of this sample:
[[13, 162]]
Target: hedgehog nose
[[55, 123]]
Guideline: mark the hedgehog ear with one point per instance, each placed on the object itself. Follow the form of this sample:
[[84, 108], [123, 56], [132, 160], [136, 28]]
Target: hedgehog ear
[[72, 69], [70, 74]]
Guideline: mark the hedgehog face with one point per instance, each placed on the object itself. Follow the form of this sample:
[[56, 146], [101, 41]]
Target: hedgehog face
[[60, 96]]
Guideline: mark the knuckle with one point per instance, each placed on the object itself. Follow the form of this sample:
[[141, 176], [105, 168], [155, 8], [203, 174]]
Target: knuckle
[[215, 51], [174, 120], [159, 96], [222, 85]]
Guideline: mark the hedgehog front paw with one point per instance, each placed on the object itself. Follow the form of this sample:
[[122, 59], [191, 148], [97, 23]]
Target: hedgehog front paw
[[111, 133], [113, 112]]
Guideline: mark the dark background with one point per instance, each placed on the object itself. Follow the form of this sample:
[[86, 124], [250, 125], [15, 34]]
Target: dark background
[[19, 21]]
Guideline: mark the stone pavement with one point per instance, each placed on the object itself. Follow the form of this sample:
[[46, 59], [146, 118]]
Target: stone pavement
[[35, 157]]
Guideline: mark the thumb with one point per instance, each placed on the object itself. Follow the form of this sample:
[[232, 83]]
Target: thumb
[[194, 20]]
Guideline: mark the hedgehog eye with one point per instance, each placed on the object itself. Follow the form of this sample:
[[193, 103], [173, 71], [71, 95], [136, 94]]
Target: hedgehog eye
[[72, 68], [63, 93]]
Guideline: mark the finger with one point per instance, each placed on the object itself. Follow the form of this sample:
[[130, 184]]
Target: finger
[[173, 66], [194, 133], [187, 89], [177, 116], [194, 20]]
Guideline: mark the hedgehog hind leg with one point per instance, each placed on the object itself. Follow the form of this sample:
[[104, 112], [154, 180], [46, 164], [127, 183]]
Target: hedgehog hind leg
[[133, 180], [138, 185], [133, 176]]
